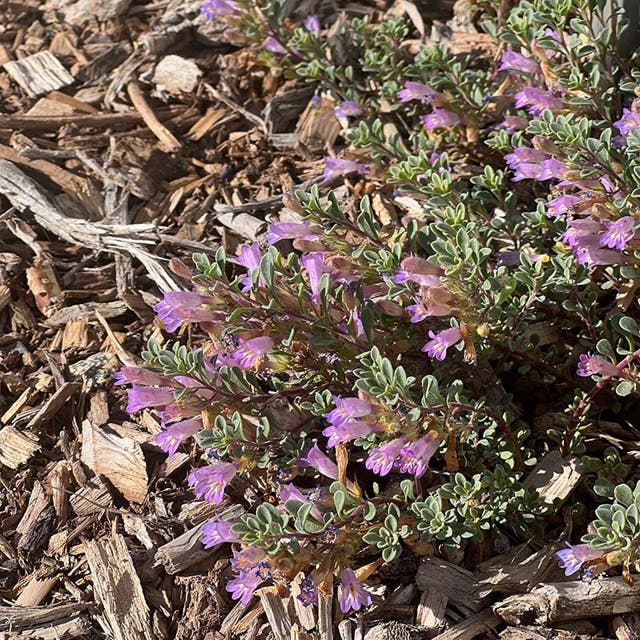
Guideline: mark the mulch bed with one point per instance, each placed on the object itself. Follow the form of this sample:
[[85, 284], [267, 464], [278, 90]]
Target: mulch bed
[[131, 133]]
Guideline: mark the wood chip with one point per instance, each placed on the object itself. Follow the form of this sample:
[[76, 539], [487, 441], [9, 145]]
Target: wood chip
[[16, 447], [39, 73], [276, 613], [118, 459], [14, 618], [554, 477], [51, 407], [557, 602], [449, 579], [118, 590], [94, 496], [176, 74], [35, 525], [472, 626], [431, 610], [187, 550]]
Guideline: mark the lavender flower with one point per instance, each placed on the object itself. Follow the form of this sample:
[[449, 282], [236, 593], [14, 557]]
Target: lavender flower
[[419, 271], [320, 462], [572, 558], [537, 100], [352, 594], [274, 45], [174, 435], [250, 257], [414, 458], [314, 264], [439, 343], [242, 587], [335, 167], [350, 430], [512, 61], [440, 118], [312, 24], [183, 307], [217, 532], [143, 397], [290, 231], [619, 233], [137, 375], [561, 205], [289, 492], [212, 8], [209, 482], [348, 409], [589, 365], [250, 352], [533, 164], [417, 91], [630, 120], [381, 459], [348, 108], [308, 591]]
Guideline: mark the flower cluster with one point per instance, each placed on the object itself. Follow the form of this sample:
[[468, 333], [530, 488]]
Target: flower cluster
[[381, 384]]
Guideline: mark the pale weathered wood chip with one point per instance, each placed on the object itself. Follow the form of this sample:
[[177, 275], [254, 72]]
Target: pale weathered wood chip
[[39, 73]]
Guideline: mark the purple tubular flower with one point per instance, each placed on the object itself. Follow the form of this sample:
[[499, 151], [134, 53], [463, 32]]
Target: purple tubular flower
[[352, 594], [137, 375], [416, 91], [589, 365], [290, 231], [174, 435], [274, 45], [420, 271], [561, 205], [320, 462], [308, 591], [335, 167], [143, 397], [209, 482], [291, 492], [533, 164], [381, 459], [250, 256], [440, 118], [314, 265], [619, 233], [212, 8], [182, 307], [251, 351], [215, 533], [414, 458], [439, 343], [348, 108], [312, 24], [573, 557], [348, 409], [582, 233], [512, 61], [242, 587], [350, 431], [537, 100], [630, 120]]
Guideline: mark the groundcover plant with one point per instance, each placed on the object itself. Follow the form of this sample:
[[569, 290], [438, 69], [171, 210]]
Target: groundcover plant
[[383, 387]]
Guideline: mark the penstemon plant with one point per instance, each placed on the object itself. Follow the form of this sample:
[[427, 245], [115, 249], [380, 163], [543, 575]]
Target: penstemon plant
[[380, 387]]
